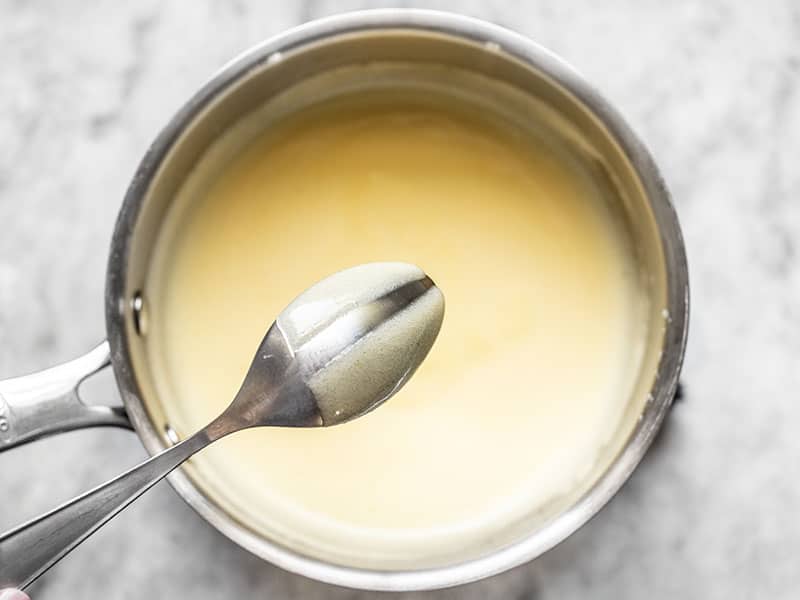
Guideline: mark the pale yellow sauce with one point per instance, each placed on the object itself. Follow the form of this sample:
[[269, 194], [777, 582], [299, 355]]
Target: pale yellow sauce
[[528, 379]]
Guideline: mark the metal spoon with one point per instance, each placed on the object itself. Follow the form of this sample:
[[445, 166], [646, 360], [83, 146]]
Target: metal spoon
[[337, 351]]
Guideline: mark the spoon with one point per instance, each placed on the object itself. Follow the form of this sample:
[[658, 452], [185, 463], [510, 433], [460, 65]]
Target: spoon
[[340, 349]]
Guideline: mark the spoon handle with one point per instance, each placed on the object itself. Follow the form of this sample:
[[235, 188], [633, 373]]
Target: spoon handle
[[32, 548]]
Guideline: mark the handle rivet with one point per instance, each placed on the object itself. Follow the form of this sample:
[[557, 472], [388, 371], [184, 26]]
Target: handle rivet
[[171, 434], [138, 313], [4, 426]]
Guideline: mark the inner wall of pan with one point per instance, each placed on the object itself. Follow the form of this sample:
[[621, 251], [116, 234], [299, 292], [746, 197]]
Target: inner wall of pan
[[436, 64]]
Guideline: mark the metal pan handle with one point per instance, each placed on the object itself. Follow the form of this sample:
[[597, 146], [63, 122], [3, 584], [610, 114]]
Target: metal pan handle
[[47, 402]]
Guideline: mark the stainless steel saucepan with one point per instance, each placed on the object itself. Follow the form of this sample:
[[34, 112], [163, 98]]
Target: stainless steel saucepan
[[379, 49]]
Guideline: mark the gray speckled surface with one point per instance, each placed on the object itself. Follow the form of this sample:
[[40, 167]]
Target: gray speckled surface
[[714, 89]]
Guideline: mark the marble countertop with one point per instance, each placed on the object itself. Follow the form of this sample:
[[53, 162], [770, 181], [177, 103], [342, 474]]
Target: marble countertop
[[714, 89]]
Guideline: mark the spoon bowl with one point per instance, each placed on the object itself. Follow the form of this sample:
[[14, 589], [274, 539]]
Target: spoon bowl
[[340, 349]]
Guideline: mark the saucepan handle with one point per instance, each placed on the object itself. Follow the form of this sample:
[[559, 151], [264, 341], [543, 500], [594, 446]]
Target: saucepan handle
[[47, 402]]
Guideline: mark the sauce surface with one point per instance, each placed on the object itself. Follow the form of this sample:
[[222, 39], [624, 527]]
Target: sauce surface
[[530, 374]]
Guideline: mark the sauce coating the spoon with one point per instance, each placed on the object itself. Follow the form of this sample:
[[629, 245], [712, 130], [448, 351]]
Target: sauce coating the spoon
[[367, 372]]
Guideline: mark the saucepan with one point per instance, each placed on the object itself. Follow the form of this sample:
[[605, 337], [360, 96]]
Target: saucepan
[[296, 69]]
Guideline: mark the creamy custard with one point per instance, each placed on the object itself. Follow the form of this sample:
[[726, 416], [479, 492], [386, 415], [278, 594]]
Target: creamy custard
[[530, 375]]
